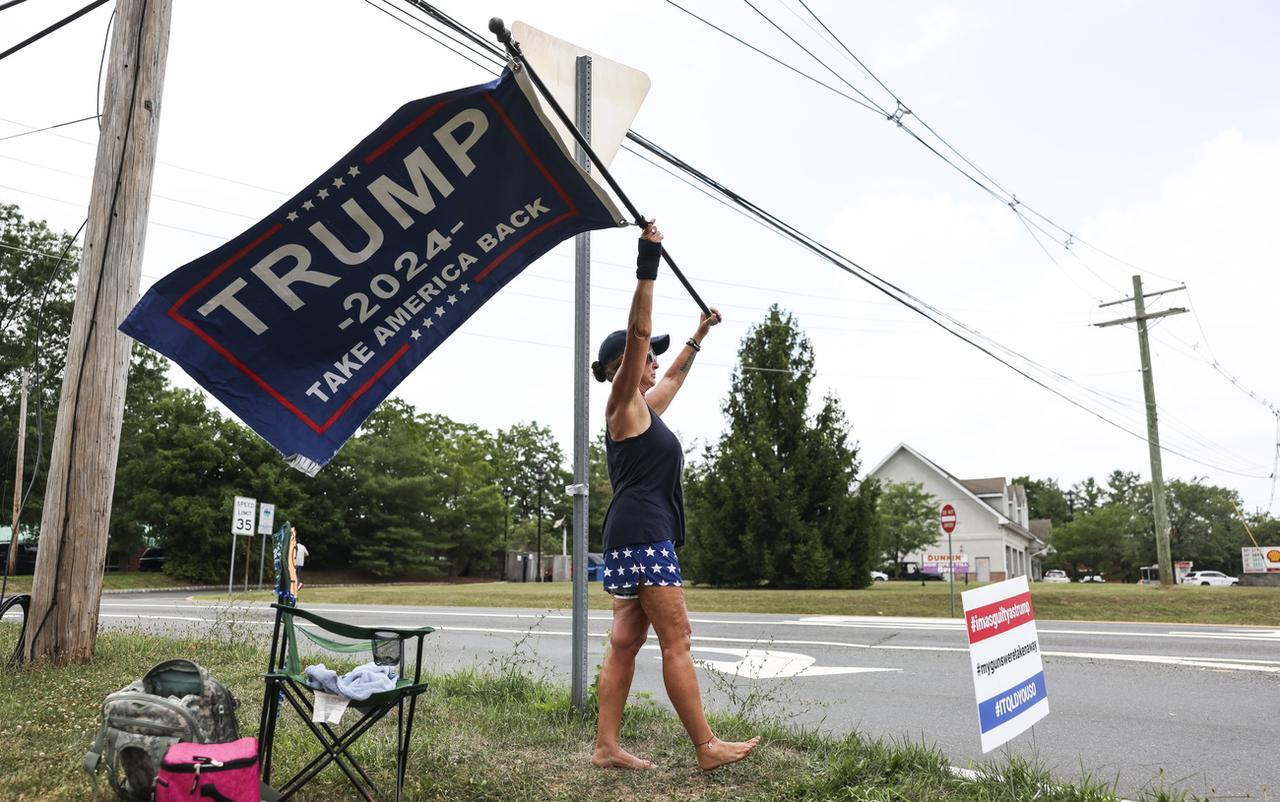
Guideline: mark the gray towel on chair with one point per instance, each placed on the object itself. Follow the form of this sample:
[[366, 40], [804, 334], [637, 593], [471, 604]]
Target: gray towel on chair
[[360, 683]]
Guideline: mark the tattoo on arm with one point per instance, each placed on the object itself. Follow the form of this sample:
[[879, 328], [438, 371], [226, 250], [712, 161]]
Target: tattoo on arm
[[688, 363]]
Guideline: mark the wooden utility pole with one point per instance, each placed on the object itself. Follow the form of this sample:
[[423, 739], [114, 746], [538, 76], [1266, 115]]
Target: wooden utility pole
[[17, 478], [1160, 512], [63, 620]]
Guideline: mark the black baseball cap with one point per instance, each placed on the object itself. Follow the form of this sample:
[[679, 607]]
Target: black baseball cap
[[613, 345]]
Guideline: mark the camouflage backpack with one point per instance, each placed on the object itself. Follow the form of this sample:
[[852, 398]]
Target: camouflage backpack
[[176, 701]]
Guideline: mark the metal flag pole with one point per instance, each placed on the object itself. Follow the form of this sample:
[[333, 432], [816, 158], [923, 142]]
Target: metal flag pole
[[499, 29]]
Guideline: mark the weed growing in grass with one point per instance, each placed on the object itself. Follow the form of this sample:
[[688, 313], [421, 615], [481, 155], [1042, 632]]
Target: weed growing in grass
[[765, 701], [520, 662], [230, 624]]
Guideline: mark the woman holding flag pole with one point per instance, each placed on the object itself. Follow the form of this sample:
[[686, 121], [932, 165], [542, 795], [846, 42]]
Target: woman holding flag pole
[[645, 525]]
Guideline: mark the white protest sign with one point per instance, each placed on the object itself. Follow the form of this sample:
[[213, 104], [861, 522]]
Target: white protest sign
[[266, 519], [1004, 655], [242, 516]]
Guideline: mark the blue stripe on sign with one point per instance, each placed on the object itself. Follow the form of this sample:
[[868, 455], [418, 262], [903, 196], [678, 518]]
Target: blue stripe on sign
[[1009, 704]]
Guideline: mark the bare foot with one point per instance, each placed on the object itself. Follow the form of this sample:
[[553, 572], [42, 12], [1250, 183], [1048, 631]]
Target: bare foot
[[618, 758], [716, 753]]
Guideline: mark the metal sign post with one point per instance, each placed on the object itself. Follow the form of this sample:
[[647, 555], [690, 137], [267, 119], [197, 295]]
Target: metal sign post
[[610, 107], [581, 413], [266, 524], [242, 515], [948, 521]]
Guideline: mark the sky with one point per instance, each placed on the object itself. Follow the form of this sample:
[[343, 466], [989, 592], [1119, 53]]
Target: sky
[[1149, 130]]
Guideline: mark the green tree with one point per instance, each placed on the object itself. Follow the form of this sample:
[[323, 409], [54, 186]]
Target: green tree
[[601, 492], [469, 511], [908, 519], [37, 292], [1096, 542], [773, 502], [1205, 525], [391, 515], [1045, 499], [1088, 495], [148, 384], [178, 482], [1127, 487], [1266, 530], [531, 463]]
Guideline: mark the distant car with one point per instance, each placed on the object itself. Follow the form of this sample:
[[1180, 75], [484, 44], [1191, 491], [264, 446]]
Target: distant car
[[595, 567], [1092, 578], [879, 576], [920, 576], [151, 560], [1207, 578], [25, 560], [1056, 576]]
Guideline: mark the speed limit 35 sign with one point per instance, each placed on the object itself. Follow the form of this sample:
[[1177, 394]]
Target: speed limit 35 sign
[[243, 515]]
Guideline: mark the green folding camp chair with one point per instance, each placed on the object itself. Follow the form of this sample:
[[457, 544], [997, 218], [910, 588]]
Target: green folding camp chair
[[285, 681]]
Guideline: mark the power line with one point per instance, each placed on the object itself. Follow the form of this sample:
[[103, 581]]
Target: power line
[[55, 26], [102, 61], [982, 180], [49, 127], [913, 303], [838, 76], [412, 27], [1009, 198], [776, 60]]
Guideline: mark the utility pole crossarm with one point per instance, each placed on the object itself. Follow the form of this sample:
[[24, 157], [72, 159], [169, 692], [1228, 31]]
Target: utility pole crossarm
[[1145, 295], [1177, 310]]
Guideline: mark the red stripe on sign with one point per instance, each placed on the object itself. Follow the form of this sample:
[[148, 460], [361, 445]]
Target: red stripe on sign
[[542, 168], [1002, 616], [403, 132], [404, 349]]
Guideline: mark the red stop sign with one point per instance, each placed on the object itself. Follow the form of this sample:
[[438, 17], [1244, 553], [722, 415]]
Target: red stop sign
[[948, 518]]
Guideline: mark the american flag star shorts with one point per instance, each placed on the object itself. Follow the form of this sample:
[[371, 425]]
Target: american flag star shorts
[[626, 568]]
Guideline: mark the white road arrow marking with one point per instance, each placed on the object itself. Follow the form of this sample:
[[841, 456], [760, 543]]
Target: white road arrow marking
[[771, 664]]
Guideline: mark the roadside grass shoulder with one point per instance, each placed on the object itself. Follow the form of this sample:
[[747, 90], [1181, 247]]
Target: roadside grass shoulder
[[1087, 602], [506, 736], [115, 580]]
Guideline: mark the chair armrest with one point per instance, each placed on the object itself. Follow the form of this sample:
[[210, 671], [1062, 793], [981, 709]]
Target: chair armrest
[[351, 630]]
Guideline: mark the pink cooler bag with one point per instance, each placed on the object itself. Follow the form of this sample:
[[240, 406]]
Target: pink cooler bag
[[199, 772]]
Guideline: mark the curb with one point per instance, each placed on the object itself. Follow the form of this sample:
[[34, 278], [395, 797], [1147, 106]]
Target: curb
[[252, 588]]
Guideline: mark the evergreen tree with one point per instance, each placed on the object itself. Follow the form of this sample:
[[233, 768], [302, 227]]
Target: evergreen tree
[[773, 501]]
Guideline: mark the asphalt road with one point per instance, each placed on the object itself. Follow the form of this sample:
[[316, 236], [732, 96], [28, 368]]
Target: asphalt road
[[1137, 705]]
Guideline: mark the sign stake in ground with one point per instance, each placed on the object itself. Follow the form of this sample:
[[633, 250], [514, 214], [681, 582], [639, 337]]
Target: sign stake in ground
[[266, 524], [1004, 658], [947, 518], [242, 515], [606, 97]]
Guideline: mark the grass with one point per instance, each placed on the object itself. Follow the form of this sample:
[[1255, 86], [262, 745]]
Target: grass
[[122, 580], [1067, 602], [498, 736]]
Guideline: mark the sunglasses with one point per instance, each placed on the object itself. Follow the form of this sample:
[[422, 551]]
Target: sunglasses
[[650, 357]]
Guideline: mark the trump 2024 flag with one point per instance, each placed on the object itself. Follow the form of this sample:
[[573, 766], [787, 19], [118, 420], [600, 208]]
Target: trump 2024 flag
[[307, 320]]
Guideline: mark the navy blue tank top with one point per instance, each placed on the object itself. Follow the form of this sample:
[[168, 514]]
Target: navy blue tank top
[[648, 502]]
